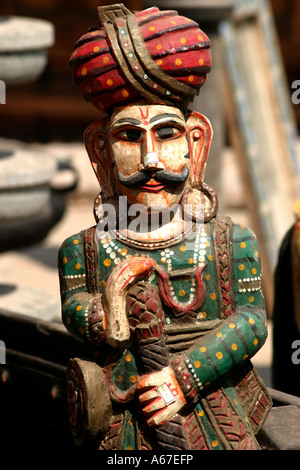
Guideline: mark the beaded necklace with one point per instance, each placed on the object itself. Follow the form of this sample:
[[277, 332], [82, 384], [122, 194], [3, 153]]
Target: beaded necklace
[[115, 254]]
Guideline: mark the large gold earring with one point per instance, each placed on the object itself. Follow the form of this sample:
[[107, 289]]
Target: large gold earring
[[200, 203], [97, 208], [118, 213]]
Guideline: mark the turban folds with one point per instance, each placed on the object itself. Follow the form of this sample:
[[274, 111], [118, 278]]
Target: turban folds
[[151, 55]]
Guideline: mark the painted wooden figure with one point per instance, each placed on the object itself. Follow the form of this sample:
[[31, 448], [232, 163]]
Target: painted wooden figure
[[168, 291]]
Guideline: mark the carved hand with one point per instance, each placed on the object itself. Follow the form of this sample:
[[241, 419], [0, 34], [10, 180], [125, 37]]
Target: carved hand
[[160, 396], [126, 274]]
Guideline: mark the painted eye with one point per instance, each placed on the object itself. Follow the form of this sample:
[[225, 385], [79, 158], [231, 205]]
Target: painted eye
[[133, 134], [130, 135], [169, 132]]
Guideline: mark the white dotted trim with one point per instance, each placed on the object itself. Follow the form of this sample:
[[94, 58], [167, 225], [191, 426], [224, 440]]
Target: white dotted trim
[[197, 380], [74, 276], [242, 284], [75, 287], [86, 319]]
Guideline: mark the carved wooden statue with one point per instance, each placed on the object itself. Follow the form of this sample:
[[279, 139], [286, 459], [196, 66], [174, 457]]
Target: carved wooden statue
[[174, 308]]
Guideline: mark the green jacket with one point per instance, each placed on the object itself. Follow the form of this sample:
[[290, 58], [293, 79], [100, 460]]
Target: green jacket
[[209, 350]]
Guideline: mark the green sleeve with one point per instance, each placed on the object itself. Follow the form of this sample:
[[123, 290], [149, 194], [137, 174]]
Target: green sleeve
[[81, 310], [243, 333]]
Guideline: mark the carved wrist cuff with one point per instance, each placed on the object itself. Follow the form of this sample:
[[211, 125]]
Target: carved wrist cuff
[[94, 315], [185, 379]]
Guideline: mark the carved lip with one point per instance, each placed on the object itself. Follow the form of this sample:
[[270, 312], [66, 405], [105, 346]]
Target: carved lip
[[153, 186]]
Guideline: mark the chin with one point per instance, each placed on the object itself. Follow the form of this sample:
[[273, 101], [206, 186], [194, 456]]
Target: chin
[[153, 202], [158, 202]]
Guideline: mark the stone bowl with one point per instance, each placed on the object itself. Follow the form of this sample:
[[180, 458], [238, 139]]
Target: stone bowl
[[24, 44], [25, 178]]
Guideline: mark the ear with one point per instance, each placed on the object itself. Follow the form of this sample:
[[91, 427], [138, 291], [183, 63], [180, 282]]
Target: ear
[[97, 146], [199, 135]]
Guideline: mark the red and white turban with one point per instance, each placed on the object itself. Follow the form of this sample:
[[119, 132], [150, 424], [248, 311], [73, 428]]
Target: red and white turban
[[152, 55]]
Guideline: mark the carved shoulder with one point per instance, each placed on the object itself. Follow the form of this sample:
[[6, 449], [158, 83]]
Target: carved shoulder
[[71, 255]]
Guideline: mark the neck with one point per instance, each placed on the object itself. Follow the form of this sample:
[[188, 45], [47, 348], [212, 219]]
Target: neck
[[151, 228]]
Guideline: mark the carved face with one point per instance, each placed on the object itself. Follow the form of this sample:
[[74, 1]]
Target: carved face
[[150, 154]]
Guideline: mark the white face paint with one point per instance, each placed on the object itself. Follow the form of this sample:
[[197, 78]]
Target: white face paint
[[145, 139]]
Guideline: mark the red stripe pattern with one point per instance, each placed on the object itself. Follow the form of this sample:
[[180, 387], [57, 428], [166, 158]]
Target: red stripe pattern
[[176, 45]]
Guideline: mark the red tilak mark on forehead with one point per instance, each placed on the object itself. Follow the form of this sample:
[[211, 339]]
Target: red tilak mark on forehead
[[145, 123], [144, 116]]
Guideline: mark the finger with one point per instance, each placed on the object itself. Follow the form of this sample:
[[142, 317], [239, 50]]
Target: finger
[[154, 406], [160, 417], [148, 396], [147, 381]]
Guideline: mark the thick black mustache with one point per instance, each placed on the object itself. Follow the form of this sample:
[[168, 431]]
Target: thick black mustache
[[162, 176]]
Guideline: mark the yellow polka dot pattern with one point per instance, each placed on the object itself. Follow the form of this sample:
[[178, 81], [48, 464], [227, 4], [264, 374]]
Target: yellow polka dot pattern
[[233, 343]]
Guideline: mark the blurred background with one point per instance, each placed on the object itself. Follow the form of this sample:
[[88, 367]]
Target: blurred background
[[50, 108], [48, 117]]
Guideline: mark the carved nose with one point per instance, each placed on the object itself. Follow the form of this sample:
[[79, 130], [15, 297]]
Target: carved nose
[[150, 159], [151, 162]]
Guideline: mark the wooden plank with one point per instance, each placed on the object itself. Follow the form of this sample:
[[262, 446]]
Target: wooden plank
[[236, 141], [281, 430], [264, 120], [281, 398], [35, 364], [28, 339]]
